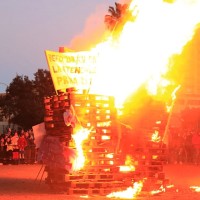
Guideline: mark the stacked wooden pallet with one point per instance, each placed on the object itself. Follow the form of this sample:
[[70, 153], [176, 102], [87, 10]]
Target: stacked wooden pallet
[[54, 109], [54, 149], [93, 183], [101, 172], [151, 159], [96, 113]]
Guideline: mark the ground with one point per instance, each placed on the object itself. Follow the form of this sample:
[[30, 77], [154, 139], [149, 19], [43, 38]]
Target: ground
[[20, 182]]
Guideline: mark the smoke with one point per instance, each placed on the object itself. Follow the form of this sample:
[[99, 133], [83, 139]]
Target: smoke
[[94, 30], [92, 33]]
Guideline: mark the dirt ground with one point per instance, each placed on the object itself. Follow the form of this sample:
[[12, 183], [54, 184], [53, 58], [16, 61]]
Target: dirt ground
[[21, 182]]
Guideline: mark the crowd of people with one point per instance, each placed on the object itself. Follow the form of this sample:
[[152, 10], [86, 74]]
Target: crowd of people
[[17, 147], [185, 148]]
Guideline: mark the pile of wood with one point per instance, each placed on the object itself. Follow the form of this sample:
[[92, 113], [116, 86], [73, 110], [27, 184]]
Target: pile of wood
[[151, 158], [54, 108], [101, 173]]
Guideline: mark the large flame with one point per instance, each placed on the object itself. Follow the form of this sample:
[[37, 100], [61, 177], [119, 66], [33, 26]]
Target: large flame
[[141, 54], [79, 136]]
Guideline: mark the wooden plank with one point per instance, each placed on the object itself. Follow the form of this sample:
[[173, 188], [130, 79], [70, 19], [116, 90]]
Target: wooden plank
[[91, 191], [95, 184], [101, 162], [98, 155], [101, 169]]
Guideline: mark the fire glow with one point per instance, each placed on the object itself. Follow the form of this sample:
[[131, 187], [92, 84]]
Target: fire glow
[[195, 188], [156, 137], [161, 189], [129, 193], [141, 54], [79, 137]]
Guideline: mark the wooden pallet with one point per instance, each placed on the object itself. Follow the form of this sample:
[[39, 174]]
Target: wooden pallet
[[95, 184], [92, 191], [101, 175]]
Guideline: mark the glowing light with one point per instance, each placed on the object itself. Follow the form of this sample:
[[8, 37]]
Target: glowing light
[[161, 189], [154, 157], [85, 196], [124, 168], [109, 155], [141, 53], [129, 193], [129, 164], [105, 137], [169, 186], [79, 137], [195, 188], [169, 107], [156, 137]]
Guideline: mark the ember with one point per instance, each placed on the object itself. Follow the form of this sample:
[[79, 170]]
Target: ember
[[156, 137], [161, 189]]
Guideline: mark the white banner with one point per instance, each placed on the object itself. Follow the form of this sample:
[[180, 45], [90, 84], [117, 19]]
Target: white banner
[[39, 133]]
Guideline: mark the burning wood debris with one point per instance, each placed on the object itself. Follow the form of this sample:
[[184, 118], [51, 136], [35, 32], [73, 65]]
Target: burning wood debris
[[83, 150], [83, 158]]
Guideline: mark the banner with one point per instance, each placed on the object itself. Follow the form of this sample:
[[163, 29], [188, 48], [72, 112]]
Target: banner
[[71, 69]]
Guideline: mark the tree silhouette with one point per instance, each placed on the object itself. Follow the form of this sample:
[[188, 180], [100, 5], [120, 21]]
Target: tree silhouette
[[117, 17], [23, 103]]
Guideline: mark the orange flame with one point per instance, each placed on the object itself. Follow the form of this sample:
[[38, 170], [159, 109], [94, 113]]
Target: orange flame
[[129, 193], [161, 189], [140, 56], [141, 53], [156, 137], [195, 188], [125, 168], [79, 136], [130, 164], [170, 107]]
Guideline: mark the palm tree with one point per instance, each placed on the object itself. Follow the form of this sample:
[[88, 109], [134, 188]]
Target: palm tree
[[118, 17]]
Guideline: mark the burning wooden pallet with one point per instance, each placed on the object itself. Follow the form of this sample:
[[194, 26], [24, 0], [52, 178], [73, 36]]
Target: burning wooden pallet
[[150, 164], [101, 172]]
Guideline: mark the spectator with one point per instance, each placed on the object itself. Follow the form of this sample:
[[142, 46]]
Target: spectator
[[2, 149], [9, 132], [32, 146], [22, 143], [189, 147], [27, 150], [14, 140], [9, 149], [15, 153], [177, 149], [196, 146]]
